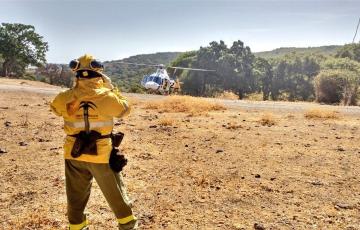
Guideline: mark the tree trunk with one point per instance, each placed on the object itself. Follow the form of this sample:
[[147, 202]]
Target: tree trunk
[[265, 95], [51, 79], [353, 97], [240, 94], [346, 95], [5, 68], [266, 92]]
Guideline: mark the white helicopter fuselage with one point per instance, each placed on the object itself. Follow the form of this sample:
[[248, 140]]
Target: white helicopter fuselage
[[158, 81]]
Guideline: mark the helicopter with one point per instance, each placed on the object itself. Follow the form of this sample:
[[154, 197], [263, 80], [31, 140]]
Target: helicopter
[[159, 82]]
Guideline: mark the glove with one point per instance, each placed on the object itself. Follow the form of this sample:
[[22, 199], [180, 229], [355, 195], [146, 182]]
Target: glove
[[117, 161], [73, 106]]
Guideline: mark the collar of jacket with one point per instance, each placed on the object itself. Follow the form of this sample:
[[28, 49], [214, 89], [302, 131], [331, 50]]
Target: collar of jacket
[[86, 88]]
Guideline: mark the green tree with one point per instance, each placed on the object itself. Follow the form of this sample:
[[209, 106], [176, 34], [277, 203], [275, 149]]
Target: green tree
[[233, 67], [293, 77], [20, 46], [351, 51], [183, 60], [244, 60], [342, 64], [202, 83], [263, 74]]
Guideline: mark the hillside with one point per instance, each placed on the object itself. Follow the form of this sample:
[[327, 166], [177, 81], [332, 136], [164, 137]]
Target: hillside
[[279, 52], [129, 76]]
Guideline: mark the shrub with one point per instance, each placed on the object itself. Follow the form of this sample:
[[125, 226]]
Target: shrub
[[321, 114], [29, 76], [184, 104], [255, 97], [267, 120], [328, 86], [351, 51], [227, 95], [335, 86], [166, 121]]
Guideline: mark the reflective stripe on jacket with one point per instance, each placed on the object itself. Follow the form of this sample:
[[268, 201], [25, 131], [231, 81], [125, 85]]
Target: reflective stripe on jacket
[[105, 105]]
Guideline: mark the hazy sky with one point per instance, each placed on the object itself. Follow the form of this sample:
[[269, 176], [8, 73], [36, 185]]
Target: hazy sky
[[117, 29]]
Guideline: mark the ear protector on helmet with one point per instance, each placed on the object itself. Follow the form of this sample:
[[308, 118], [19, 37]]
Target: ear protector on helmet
[[74, 65], [94, 65]]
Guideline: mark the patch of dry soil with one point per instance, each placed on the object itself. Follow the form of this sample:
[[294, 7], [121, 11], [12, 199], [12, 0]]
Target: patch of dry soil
[[222, 170]]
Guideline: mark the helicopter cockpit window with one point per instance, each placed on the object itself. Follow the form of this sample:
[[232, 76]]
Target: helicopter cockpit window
[[157, 80]]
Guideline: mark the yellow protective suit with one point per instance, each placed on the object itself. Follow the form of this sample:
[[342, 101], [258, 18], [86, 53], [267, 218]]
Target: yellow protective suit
[[109, 104]]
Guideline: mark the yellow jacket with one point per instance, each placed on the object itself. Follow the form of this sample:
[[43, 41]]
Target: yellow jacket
[[109, 104]]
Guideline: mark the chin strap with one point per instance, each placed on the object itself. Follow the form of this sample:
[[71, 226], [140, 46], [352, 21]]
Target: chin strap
[[107, 82]]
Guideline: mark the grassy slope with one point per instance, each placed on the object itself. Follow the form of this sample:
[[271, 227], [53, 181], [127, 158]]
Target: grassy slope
[[279, 52]]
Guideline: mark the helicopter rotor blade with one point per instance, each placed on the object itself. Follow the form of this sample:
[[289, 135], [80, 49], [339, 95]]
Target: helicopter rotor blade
[[162, 66], [185, 68], [140, 64]]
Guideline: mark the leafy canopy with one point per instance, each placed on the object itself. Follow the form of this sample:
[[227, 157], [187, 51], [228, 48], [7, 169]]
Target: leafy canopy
[[351, 51], [20, 46]]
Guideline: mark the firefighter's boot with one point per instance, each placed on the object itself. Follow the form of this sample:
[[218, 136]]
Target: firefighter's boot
[[132, 225]]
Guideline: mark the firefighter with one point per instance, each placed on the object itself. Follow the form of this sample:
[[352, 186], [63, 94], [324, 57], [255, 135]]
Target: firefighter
[[88, 110]]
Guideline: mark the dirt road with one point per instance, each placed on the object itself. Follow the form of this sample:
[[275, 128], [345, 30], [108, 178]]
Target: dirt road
[[25, 86], [16, 85]]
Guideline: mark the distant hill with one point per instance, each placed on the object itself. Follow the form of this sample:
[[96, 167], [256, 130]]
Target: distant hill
[[128, 77], [279, 52]]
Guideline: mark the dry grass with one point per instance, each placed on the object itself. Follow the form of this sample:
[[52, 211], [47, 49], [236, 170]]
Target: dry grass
[[321, 114], [267, 119], [227, 95], [134, 101], [25, 122], [38, 221], [254, 97], [233, 125], [290, 116], [184, 104], [166, 121]]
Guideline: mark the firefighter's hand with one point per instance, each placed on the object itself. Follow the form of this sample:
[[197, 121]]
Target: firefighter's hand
[[73, 106]]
